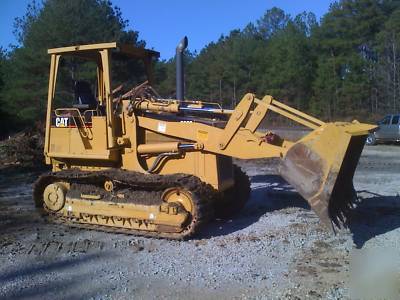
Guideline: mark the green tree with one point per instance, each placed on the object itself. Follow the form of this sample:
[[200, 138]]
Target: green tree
[[344, 42], [274, 20], [225, 70], [2, 62], [388, 64], [55, 23], [3, 114], [287, 66], [165, 75]]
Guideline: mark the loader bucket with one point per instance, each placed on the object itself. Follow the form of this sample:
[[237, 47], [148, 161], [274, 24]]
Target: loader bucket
[[321, 167]]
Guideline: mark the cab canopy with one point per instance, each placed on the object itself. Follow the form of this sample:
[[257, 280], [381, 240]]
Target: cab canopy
[[90, 51]]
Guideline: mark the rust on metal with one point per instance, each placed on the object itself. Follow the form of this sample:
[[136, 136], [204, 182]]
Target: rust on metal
[[330, 193]]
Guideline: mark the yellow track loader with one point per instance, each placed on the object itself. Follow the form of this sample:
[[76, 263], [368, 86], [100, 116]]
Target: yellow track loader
[[137, 163]]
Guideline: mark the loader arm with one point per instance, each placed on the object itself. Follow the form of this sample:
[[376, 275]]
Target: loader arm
[[320, 166], [238, 139]]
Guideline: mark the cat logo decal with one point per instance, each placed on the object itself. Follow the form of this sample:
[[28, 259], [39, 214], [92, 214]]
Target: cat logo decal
[[61, 122]]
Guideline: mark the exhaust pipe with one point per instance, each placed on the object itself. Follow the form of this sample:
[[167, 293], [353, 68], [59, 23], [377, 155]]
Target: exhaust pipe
[[180, 77]]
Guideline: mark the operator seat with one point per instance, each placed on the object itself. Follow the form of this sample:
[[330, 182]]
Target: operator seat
[[84, 98]]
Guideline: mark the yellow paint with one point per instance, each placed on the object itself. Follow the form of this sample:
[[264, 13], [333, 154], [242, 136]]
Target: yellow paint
[[131, 140]]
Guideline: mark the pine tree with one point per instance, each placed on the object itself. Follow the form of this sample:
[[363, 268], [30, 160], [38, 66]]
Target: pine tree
[[55, 23]]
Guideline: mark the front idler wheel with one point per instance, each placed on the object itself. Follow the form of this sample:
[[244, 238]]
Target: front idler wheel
[[54, 196]]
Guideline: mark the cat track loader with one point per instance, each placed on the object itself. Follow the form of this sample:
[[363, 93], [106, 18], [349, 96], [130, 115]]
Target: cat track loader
[[137, 163]]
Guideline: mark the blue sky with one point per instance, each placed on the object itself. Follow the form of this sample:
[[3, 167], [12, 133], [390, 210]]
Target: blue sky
[[162, 23]]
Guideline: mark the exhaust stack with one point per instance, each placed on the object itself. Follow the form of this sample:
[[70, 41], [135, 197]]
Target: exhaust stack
[[180, 76]]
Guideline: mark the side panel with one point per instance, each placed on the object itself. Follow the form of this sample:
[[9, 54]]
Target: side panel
[[210, 168], [99, 130], [60, 140], [73, 140], [78, 146]]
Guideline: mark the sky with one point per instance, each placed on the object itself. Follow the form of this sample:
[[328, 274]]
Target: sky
[[162, 23]]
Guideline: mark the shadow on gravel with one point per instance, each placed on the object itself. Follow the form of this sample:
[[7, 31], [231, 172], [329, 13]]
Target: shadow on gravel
[[269, 193], [62, 279], [374, 216], [17, 211], [19, 174]]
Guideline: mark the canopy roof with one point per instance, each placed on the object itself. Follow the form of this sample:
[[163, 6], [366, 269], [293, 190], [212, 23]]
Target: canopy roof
[[125, 49]]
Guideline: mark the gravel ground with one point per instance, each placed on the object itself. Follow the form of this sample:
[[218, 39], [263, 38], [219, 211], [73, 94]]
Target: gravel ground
[[274, 249]]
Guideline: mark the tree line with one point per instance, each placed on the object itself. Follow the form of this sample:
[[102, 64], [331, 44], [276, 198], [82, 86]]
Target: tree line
[[344, 66]]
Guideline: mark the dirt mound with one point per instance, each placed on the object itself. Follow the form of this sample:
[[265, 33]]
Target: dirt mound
[[24, 148]]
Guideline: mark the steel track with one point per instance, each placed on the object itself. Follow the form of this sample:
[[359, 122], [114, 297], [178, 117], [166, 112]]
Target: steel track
[[203, 193]]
